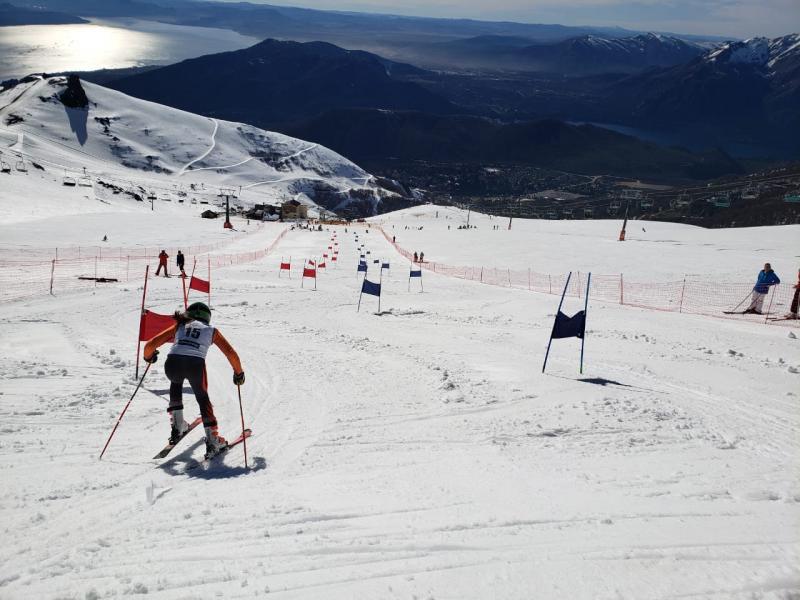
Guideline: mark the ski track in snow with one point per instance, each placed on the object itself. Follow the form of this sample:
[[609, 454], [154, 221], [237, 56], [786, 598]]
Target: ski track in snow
[[213, 140], [413, 453]]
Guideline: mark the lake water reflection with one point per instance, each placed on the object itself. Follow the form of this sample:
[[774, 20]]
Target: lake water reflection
[[108, 44]]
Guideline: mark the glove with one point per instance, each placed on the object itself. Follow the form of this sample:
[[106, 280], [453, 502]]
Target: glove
[[238, 378], [152, 358]]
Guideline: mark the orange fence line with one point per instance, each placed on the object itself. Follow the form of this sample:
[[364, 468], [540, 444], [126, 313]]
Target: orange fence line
[[39, 255], [692, 294], [28, 279]]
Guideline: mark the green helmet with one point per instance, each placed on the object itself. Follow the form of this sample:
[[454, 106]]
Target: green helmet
[[199, 311]]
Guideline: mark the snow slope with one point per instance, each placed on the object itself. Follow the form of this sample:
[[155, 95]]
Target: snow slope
[[150, 148], [652, 251], [415, 453]]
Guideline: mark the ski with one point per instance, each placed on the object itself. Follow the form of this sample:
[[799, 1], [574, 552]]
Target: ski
[[734, 312], [207, 460], [781, 318], [168, 448]]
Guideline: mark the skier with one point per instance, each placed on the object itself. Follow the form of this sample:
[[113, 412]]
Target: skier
[[181, 260], [421, 257], [793, 309], [415, 257], [162, 263], [187, 360], [766, 278]]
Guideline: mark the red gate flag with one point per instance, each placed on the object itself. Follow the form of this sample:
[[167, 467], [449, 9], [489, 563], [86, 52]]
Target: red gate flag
[[322, 266], [310, 273], [151, 324], [286, 266], [201, 285]]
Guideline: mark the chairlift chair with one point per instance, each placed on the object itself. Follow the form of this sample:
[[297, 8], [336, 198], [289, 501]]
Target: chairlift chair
[[194, 200], [69, 181], [21, 166], [85, 182], [5, 167], [588, 213]]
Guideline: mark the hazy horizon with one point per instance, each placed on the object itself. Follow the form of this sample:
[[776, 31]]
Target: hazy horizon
[[725, 18]]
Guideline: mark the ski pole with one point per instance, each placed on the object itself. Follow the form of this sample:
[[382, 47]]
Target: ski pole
[[241, 414], [122, 414], [742, 302]]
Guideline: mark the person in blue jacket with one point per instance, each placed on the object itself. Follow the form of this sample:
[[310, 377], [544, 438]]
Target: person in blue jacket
[[766, 278]]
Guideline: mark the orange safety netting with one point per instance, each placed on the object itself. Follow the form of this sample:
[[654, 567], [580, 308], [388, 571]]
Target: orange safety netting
[[30, 278], [693, 294]]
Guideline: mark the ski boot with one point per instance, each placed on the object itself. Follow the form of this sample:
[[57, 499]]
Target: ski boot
[[215, 443], [179, 426]]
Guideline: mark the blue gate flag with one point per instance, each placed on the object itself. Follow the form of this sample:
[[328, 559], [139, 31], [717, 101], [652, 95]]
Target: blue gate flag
[[362, 256], [367, 287], [362, 266], [415, 273], [567, 327], [385, 265], [376, 261]]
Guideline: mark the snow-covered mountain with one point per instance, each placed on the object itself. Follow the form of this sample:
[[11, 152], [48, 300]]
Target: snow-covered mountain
[[147, 149], [749, 89], [770, 54]]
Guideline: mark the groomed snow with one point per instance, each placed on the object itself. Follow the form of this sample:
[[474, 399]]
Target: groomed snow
[[652, 251], [415, 453]]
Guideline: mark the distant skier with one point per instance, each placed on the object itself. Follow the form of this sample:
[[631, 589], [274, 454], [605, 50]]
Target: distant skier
[[105, 238], [162, 263], [421, 257], [187, 361], [766, 278], [415, 257], [180, 259]]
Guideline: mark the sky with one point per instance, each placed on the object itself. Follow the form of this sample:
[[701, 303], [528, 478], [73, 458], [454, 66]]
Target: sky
[[734, 18]]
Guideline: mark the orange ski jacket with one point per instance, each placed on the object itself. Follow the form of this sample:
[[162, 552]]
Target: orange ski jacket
[[218, 340]]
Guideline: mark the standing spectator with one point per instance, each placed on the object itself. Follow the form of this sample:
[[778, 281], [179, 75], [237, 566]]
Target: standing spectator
[[180, 259], [393, 239], [415, 257], [766, 278], [162, 263], [795, 299], [421, 257]]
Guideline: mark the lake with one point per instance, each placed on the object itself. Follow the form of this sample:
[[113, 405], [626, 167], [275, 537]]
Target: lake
[[107, 44]]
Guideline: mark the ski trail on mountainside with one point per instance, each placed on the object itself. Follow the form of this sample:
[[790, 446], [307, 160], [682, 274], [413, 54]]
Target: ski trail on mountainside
[[210, 149]]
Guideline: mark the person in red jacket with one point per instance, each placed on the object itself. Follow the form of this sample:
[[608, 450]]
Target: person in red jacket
[[162, 263], [793, 309], [186, 360]]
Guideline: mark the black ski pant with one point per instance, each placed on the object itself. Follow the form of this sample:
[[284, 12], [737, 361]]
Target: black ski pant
[[192, 368]]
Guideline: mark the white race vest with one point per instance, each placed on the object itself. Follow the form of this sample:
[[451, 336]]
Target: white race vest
[[193, 339]]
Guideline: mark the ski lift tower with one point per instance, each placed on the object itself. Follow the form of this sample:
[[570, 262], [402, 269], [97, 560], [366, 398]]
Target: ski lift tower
[[227, 193]]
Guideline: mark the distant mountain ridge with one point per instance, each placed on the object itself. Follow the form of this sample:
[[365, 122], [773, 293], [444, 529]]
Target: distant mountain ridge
[[581, 55], [749, 87], [276, 81], [16, 15]]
